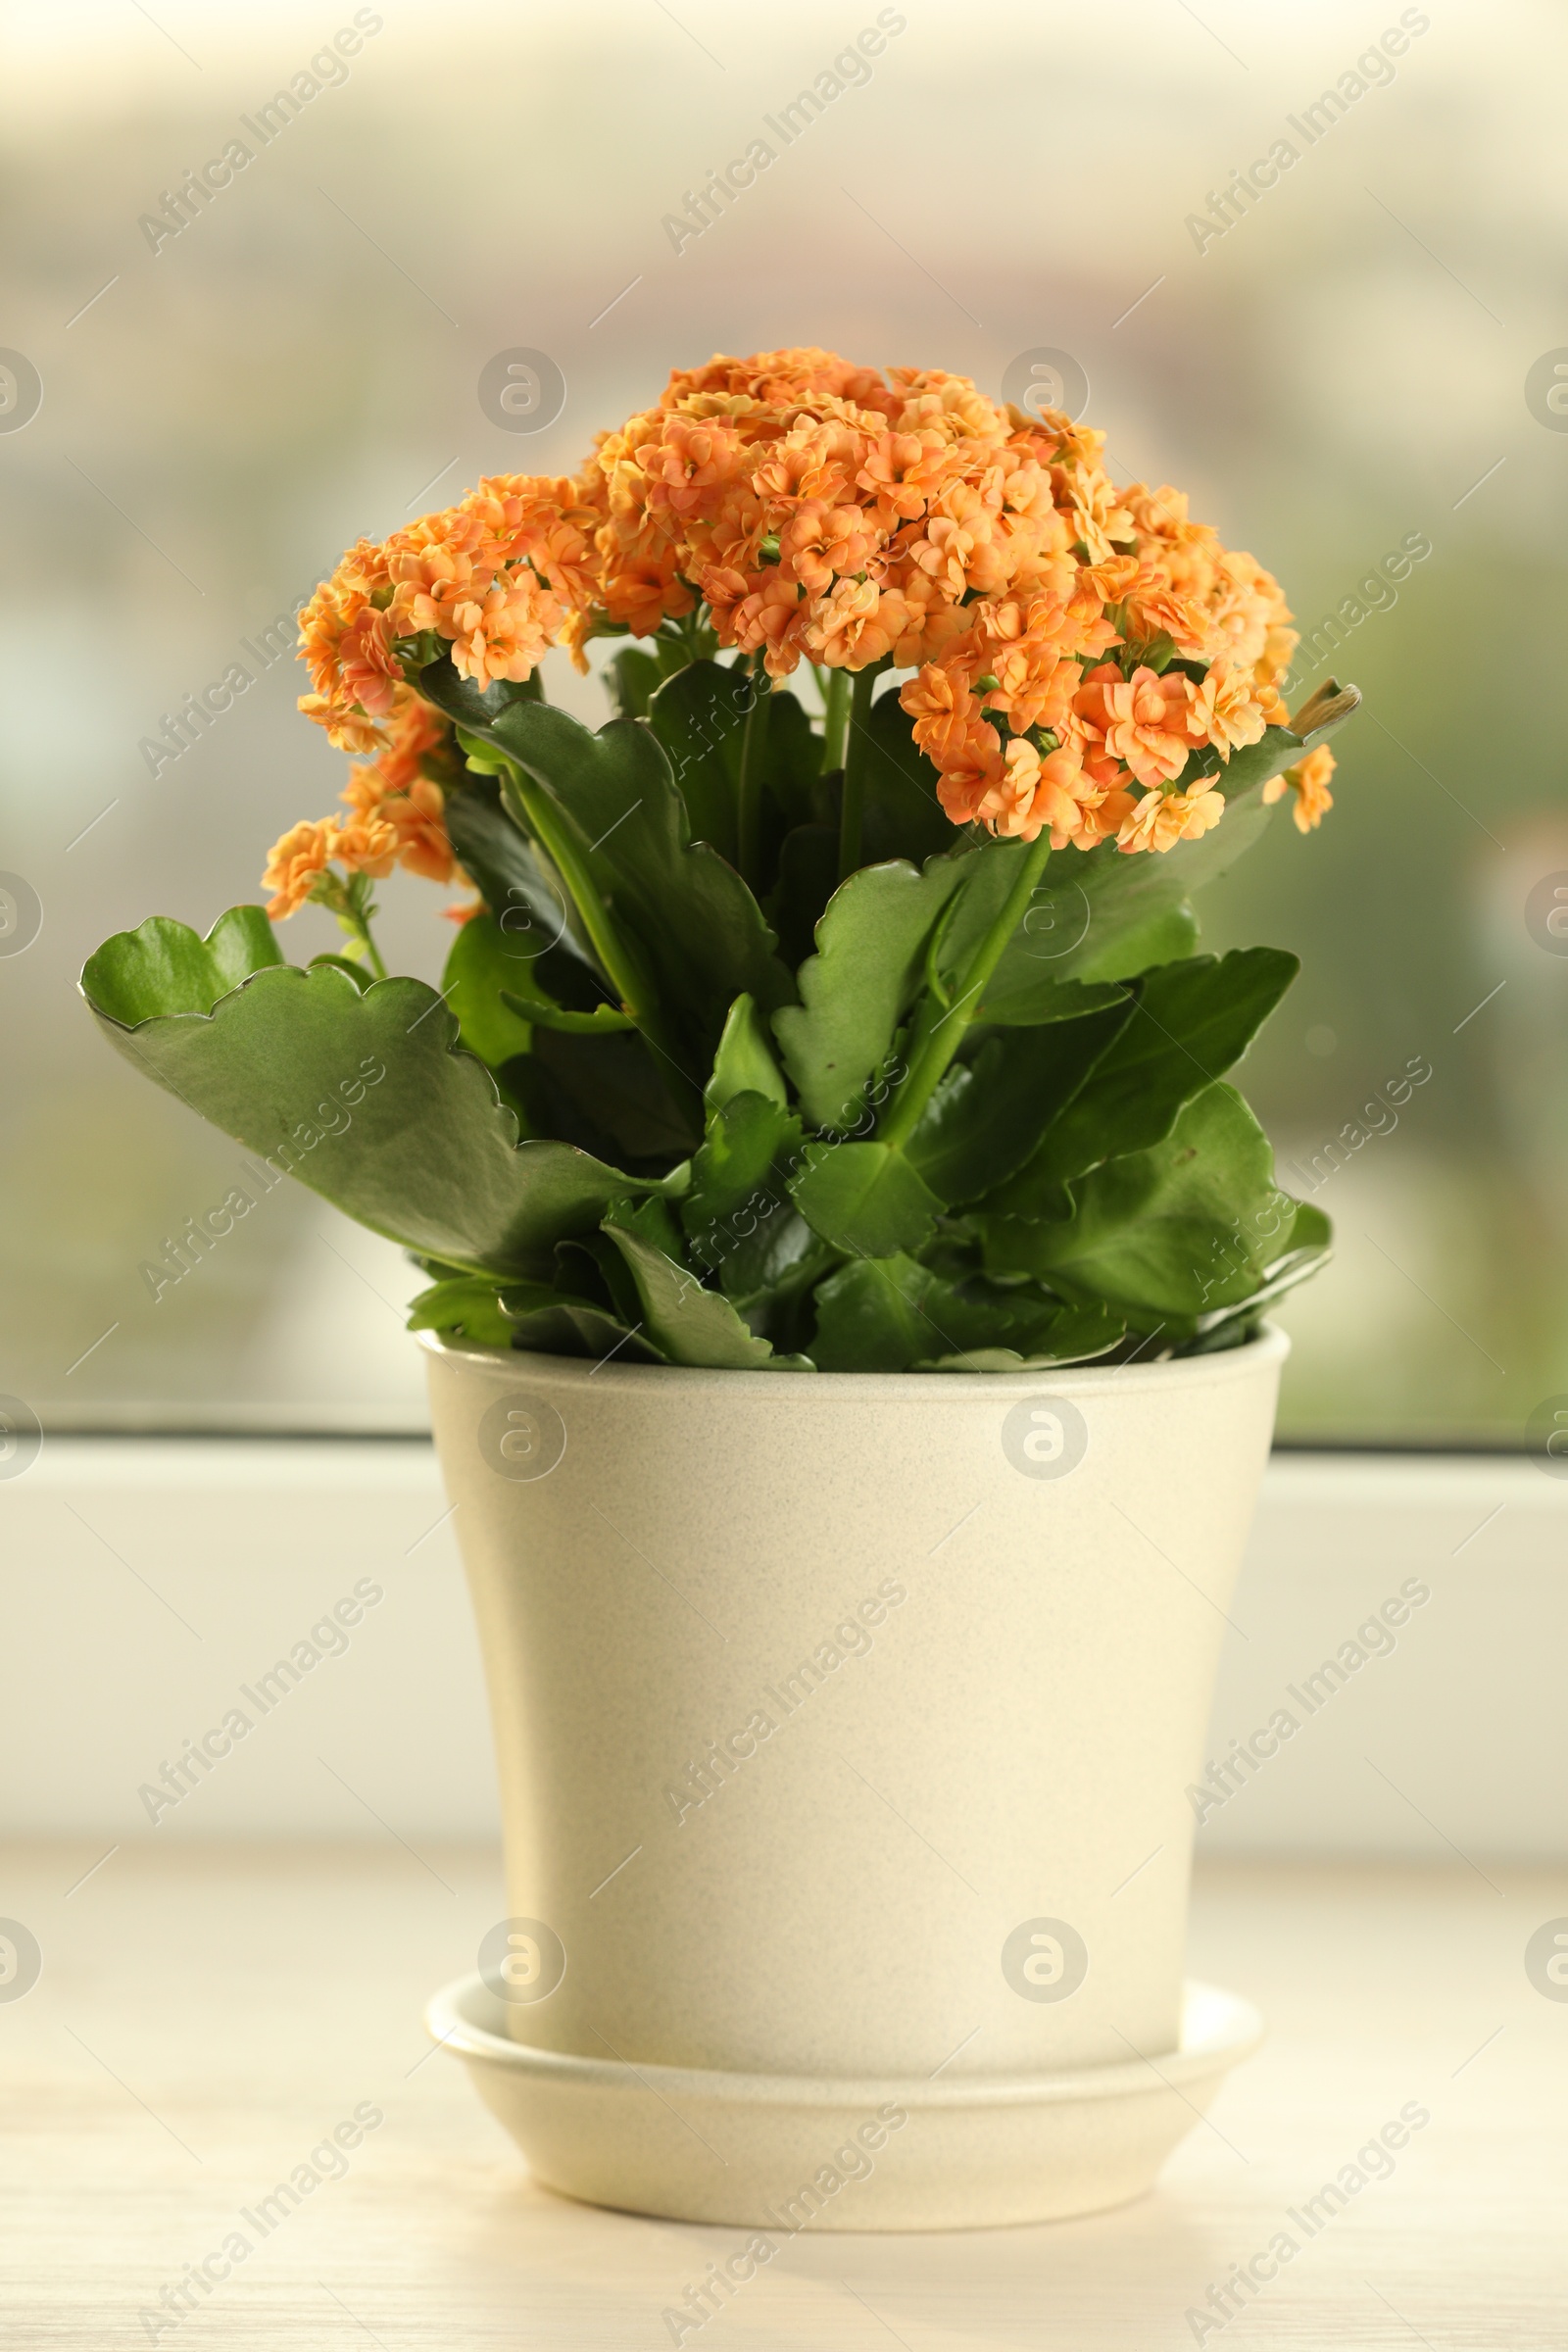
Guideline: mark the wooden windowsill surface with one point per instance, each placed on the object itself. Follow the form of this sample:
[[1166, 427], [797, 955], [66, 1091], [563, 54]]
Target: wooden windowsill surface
[[206, 2017]]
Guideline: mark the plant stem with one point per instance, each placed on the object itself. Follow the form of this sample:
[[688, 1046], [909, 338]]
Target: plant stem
[[749, 812], [621, 965], [851, 814], [939, 1042], [835, 719]]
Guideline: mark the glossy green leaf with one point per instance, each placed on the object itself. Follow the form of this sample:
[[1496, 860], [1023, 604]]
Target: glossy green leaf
[[689, 1324], [988, 1115], [1193, 1022], [163, 966], [744, 1062], [856, 987], [747, 1137], [367, 1100], [864, 1198], [695, 926], [479, 969], [465, 1307], [521, 888], [893, 1314], [1184, 1228], [902, 818], [699, 716]]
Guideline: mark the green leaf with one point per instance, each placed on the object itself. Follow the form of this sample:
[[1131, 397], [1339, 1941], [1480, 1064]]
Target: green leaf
[[1028, 1002], [1193, 1022], [1088, 906], [1165, 935], [479, 969], [699, 716], [744, 1062], [1171, 1232], [746, 1137], [689, 1324], [1308, 1244], [636, 674], [365, 1100], [162, 966], [740, 1222], [893, 1314], [988, 1115], [903, 818], [807, 877], [695, 928], [864, 1198], [518, 883], [858, 986], [465, 1307]]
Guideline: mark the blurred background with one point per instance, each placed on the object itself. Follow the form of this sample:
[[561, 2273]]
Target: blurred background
[[1358, 359]]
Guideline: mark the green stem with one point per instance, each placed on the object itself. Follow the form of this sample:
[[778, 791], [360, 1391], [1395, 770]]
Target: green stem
[[749, 812], [621, 965], [852, 813], [939, 1040], [835, 719]]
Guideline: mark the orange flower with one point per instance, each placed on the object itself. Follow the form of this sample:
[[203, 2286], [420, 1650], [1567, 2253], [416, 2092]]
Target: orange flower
[[1160, 819], [293, 863], [413, 813], [1309, 781], [1144, 720], [1226, 712], [858, 625], [504, 635]]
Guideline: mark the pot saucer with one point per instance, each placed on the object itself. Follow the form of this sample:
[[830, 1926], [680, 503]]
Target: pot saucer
[[778, 2153]]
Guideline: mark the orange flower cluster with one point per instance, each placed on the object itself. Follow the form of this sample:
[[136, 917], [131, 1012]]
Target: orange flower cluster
[[394, 813], [1073, 642]]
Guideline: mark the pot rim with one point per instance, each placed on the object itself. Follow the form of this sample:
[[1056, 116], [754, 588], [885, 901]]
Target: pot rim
[[1217, 2027], [1271, 1345]]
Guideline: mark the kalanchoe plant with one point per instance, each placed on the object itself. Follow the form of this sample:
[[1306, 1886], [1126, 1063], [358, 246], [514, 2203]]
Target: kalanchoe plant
[[858, 1032]]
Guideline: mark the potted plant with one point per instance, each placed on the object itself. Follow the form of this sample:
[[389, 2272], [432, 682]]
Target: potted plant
[[846, 1257]]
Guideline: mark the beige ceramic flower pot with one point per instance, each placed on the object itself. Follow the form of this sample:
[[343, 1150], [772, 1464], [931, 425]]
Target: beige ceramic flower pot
[[843, 1725]]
